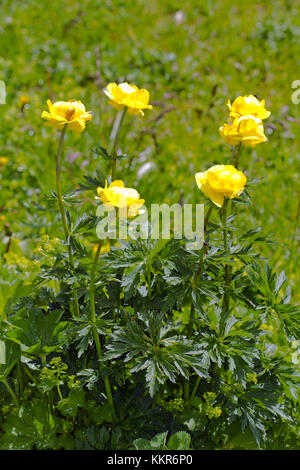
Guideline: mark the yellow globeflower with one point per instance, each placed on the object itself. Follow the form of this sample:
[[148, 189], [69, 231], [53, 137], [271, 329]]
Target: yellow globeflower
[[117, 195], [246, 129], [248, 105], [71, 113], [221, 181], [3, 161], [128, 95]]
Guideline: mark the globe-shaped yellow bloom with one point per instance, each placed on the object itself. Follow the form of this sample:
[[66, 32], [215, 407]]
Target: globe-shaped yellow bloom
[[71, 113], [248, 105], [117, 195], [246, 129], [128, 95], [3, 161], [221, 181]]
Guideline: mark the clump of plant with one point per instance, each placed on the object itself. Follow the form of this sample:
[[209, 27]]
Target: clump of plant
[[143, 343]]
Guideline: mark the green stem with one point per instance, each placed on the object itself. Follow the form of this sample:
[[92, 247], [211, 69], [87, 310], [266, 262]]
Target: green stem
[[92, 281], [196, 279], [61, 208], [10, 391], [20, 378], [115, 138], [236, 152], [59, 392], [200, 268], [44, 362], [226, 300], [93, 320], [195, 388]]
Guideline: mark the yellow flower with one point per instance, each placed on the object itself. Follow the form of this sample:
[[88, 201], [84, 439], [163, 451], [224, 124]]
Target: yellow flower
[[221, 181], [24, 99], [71, 113], [3, 161], [246, 129], [121, 197], [128, 95], [248, 105]]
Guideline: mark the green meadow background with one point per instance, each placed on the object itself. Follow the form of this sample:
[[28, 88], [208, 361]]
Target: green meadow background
[[191, 56]]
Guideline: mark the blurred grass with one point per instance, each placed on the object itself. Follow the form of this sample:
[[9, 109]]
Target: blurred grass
[[191, 56]]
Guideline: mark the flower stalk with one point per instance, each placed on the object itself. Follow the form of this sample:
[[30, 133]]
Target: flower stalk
[[192, 312], [10, 390], [115, 139], [62, 209], [94, 327], [226, 299]]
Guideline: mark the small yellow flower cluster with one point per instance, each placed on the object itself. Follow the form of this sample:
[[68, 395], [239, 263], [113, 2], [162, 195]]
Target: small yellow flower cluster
[[251, 377], [245, 122], [20, 262], [210, 410]]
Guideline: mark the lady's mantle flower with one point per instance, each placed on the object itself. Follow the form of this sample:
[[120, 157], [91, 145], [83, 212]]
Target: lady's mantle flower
[[221, 181], [128, 95], [246, 129], [71, 113], [117, 195], [248, 105]]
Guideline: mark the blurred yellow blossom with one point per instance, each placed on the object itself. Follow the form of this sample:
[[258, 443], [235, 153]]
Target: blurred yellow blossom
[[128, 95], [3, 161], [24, 99], [117, 195], [248, 130], [71, 113], [221, 181], [248, 105]]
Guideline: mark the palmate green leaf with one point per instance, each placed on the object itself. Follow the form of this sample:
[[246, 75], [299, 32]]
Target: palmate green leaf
[[179, 441], [77, 247], [231, 342], [84, 223], [130, 280], [69, 406], [89, 376], [149, 345], [93, 182], [39, 333], [84, 332], [33, 427], [289, 316], [102, 152], [157, 443]]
